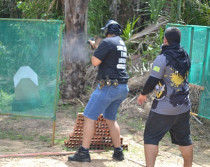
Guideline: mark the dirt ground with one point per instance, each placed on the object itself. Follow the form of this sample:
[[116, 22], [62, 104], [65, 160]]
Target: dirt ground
[[24, 136]]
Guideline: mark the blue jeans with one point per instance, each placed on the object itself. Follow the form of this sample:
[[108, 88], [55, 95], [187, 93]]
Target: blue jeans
[[106, 101]]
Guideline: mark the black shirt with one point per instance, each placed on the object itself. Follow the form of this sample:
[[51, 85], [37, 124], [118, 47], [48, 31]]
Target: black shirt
[[113, 54]]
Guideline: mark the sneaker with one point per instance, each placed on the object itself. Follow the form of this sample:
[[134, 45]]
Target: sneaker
[[81, 156], [118, 155]]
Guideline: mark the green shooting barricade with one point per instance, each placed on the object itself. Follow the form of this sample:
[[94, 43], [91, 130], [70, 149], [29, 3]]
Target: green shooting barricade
[[196, 41], [29, 67]]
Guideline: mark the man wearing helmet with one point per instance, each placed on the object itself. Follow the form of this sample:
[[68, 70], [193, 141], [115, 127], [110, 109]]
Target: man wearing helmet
[[112, 89]]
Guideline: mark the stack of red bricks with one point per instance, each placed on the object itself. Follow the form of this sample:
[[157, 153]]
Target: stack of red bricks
[[101, 139]]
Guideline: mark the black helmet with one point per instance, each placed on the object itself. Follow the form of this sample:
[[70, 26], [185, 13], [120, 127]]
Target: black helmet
[[112, 27]]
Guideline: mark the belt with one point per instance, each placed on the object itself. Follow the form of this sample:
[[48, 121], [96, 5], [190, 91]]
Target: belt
[[110, 82], [123, 81]]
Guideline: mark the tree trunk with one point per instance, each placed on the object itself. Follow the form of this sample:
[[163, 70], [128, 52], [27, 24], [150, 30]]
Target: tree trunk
[[74, 51]]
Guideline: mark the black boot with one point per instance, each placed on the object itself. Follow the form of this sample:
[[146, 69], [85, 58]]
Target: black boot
[[118, 154], [82, 155]]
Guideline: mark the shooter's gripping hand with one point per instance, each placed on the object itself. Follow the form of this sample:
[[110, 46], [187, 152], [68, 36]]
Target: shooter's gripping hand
[[92, 44]]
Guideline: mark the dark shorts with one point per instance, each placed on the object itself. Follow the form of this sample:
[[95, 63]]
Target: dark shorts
[[158, 125]]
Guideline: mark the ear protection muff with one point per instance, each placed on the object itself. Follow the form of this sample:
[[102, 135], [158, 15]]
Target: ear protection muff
[[105, 31], [111, 22]]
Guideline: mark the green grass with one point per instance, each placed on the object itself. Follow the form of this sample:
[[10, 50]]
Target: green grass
[[195, 138], [45, 138], [13, 136], [70, 110], [135, 123], [60, 141]]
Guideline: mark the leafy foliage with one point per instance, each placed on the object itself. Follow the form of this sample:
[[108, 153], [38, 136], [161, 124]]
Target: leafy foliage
[[37, 9], [5, 99], [129, 29], [127, 33], [196, 13], [190, 12], [151, 46], [175, 11], [8, 9], [156, 9], [98, 14]]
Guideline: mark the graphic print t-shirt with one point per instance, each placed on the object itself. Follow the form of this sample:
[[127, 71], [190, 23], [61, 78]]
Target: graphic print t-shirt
[[113, 54], [172, 92]]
